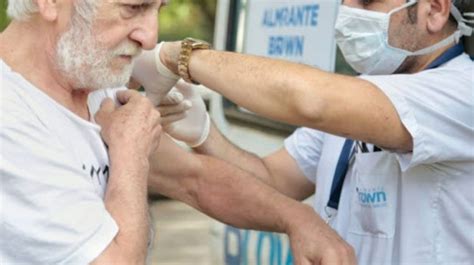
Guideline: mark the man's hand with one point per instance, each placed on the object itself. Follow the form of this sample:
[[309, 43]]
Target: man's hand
[[188, 125], [313, 242], [133, 127], [150, 72], [132, 132]]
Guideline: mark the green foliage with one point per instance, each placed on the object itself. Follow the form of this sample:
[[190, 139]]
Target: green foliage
[[188, 18], [3, 15]]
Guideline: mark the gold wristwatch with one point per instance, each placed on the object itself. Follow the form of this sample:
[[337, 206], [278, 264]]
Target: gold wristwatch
[[187, 47]]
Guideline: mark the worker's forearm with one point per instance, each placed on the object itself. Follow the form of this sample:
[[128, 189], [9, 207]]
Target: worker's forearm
[[218, 146], [273, 88], [126, 200]]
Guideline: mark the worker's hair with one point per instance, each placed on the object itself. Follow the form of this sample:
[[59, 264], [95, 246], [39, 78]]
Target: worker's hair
[[465, 7], [22, 10], [462, 4]]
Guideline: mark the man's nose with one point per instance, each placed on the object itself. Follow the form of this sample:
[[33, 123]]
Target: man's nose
[[146, 32]]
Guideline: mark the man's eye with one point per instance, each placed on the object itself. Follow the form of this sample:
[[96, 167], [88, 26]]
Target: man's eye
[[131, 10], [366, 2]]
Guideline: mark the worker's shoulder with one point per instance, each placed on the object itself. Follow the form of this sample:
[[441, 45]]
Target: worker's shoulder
[[461, 61], [457, 72]]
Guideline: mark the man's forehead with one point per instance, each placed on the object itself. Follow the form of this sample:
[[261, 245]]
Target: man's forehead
[[163, 2]]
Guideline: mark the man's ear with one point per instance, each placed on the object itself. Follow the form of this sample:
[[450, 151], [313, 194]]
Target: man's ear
[[48, 9], [438, 15]]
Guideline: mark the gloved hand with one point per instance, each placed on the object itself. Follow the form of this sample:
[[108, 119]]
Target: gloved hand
[[174, 107], [150, 72], [185, 120]]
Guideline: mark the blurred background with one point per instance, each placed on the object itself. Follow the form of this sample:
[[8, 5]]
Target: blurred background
[[183, 235]]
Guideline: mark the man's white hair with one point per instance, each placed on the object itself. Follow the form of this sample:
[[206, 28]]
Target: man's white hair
[[22, 10]]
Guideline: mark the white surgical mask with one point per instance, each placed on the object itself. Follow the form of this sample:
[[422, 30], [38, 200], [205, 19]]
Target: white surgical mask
[[362, 36]]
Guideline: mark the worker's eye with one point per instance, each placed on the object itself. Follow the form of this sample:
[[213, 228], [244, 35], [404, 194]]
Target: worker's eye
[[366, 2]]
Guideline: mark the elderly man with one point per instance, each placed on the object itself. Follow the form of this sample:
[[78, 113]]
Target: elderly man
[[74, 192], [75, 163], [401, 191]]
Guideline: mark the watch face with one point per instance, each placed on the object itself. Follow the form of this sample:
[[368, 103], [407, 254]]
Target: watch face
[[198, 44]]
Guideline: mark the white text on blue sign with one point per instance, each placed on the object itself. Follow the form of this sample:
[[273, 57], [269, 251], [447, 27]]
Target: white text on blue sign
[[296, 16]]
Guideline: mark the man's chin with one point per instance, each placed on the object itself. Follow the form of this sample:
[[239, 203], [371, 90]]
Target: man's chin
[[102, 84], [113, 79]]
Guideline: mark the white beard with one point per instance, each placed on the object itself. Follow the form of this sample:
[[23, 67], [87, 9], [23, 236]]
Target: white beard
[[88, 65]]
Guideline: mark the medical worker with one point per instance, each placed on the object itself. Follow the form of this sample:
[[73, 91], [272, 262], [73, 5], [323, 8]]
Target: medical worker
[[388, 153]]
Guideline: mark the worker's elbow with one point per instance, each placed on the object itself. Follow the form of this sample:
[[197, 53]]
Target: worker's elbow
[[405, 142], [309, 110]]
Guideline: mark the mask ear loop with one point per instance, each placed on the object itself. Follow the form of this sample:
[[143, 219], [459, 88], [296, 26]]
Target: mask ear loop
[[465, 26], [469, 14], [465, 29]]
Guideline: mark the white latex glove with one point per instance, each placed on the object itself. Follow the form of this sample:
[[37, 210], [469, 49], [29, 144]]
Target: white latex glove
[[150, 72], [173, 107], [194, 128]]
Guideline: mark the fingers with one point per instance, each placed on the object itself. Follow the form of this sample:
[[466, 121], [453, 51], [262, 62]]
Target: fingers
[[106, 107], [126, 96], [174, 97], [165, 121], [350, 256], [342, 254], [156, 136], [185, 88], [175, 109], [155, 118], [300, 259], [133, 84]]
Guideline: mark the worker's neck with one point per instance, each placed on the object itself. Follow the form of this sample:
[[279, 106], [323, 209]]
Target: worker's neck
[[31, 52], [419, 63], [430, 58]]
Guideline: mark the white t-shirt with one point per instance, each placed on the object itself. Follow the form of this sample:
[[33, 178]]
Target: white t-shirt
[[415, 208], [54, 169]]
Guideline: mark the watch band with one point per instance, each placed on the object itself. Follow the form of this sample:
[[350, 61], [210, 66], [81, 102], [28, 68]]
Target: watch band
[[187, 47]]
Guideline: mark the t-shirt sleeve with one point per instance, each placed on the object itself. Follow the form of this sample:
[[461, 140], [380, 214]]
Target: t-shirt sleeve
[[437, 108], [305, 146], [50, 213]]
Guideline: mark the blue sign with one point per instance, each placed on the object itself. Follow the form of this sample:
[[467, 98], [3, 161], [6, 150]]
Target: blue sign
[[254, 247], [295, 30]]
